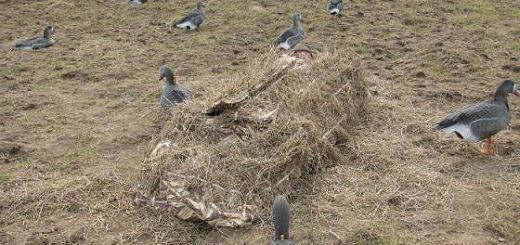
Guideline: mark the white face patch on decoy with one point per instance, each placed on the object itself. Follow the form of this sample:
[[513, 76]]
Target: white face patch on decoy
[[335, 6], [300, 18]]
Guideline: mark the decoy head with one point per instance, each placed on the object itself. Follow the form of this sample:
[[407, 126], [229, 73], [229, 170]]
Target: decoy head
[[507, 87], [297, 18], [200, 5], [47, 32], [166, 73]]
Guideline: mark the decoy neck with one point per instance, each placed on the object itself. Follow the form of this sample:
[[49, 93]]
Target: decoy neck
[[199, 5], [47, 32], [297, 17], [167, 73], [505, 88]]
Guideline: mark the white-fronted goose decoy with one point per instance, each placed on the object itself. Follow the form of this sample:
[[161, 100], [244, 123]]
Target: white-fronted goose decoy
[[138, 1], [335, 6], [194, 19], [481, 120], [173, 92], [281, 218], [293, 35], [38, 42]]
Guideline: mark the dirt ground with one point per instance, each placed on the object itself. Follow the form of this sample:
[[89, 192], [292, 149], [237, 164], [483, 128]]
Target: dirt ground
[[77, 119]]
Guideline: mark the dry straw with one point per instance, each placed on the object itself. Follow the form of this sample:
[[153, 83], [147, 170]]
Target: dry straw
[[271, 127]]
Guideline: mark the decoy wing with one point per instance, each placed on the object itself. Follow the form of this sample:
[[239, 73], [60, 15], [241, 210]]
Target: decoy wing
[[477, 121], [290, 33], [281, 217], [290, 37], [195, 17], [174, 94], [27, 43], [42, 43], [34, 43]]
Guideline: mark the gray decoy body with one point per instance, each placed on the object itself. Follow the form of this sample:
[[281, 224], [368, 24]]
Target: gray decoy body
[[194, 19], [173, 93], [281, 216], [293, 35], [482, 120], [335, 6], [38, 42]]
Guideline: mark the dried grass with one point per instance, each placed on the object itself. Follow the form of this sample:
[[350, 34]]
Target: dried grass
[[238, 161]]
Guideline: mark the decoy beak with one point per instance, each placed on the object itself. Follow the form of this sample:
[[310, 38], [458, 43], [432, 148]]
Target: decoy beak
[[515, 91], [161, 78]]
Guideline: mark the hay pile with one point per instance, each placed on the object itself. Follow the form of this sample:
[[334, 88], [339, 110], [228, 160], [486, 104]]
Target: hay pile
[[270, 129]]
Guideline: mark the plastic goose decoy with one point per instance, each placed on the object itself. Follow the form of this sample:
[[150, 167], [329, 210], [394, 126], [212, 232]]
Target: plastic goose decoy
[[291, 36], [38, 42], [281, 217], [173, 93], [194, 19], [335, 6], [481, 120]]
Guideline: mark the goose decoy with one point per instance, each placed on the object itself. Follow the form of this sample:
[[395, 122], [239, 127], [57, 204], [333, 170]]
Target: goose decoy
[[281, 218], [481, 120], [38, 42], [173, 92], [291, 36], [138, 1], [194, 19], [335, 6]]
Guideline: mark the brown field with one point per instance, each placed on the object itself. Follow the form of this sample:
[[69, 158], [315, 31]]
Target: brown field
[[77, 120]]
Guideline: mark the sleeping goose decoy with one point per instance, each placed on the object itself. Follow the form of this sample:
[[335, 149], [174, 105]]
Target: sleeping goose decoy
[[481, 120], [335, 6], [173, 92], [38, 42], [291, 36], [281, 218], [194, 19]]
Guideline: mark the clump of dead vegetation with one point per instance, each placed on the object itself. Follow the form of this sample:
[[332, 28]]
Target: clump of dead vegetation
[[275, 125]]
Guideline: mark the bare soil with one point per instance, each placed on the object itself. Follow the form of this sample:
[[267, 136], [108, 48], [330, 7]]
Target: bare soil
[[77, 119]]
